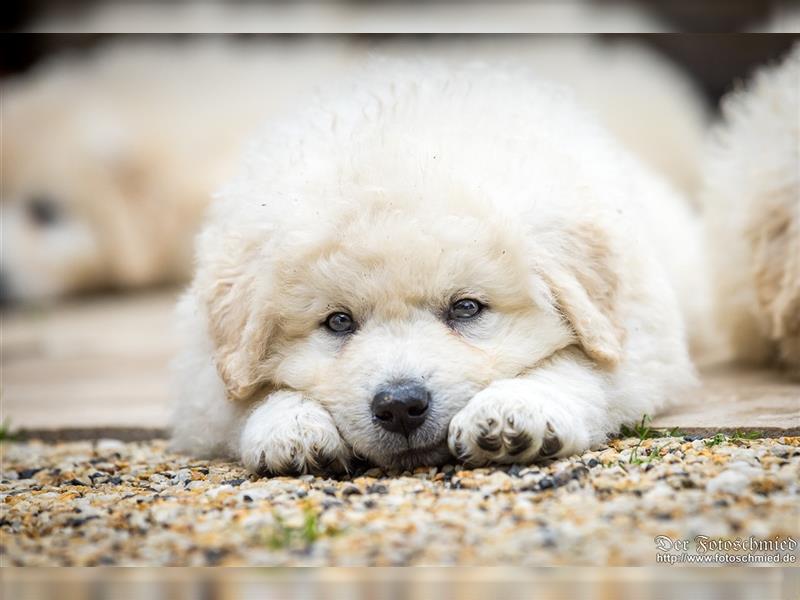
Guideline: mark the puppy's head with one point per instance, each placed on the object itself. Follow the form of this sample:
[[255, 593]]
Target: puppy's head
[[393, 308]]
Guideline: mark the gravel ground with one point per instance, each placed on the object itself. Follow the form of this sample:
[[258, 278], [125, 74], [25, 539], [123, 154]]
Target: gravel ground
[[107, 502]]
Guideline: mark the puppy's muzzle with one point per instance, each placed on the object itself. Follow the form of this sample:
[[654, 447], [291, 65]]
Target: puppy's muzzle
[[401, 407]]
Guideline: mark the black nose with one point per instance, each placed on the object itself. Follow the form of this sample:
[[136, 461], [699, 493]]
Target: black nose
[[401, 407]]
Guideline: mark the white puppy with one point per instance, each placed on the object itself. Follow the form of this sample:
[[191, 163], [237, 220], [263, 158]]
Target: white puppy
[[752, 202], [432, 261]]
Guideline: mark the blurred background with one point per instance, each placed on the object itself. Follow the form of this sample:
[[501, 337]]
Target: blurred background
[[733, 56], [347, 16]]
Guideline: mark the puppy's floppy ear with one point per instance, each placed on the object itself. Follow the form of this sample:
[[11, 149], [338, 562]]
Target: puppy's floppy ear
[[583, 279], [240, 329]]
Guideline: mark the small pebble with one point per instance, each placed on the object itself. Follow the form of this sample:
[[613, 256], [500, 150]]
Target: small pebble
[[546, 483], [27, 473], [234, 482]]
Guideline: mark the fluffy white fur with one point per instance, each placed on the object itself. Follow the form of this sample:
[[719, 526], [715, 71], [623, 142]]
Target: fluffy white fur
[[411, 187], [752, 202], [645, 100]]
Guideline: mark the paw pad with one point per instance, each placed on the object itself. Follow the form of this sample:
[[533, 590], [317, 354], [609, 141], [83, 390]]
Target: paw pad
[[518, 442], [551, 444]]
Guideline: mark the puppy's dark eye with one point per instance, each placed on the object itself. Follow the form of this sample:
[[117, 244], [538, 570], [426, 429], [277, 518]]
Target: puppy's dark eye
[[43, 211], [340, 322], [464, 309]]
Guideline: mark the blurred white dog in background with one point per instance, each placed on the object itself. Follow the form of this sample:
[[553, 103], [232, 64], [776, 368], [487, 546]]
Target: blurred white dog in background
[[752, 203], [436, 260]]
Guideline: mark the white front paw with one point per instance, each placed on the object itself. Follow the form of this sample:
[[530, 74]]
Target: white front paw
[[515, 421], [288, 434]]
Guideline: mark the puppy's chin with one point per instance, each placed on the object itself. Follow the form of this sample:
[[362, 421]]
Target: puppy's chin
[[427, 456]]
